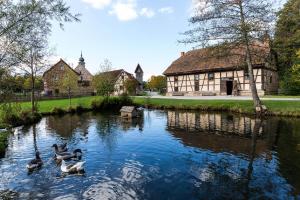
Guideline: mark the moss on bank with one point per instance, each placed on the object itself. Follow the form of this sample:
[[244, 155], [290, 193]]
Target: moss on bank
[[3, 142]]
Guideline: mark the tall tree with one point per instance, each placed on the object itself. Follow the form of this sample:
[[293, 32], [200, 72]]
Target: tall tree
[[17, 17], [287, 35], [158, 83], [103, 81], [232, 25], [24, 29], [131, 86]]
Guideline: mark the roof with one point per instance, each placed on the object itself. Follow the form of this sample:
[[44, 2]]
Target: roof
[[138, 67], [60, 61], [86, 75], [116, 73], [212, 59], [128, 109]]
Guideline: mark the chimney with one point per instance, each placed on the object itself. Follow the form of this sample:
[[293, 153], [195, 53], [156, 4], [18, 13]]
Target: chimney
[[182, 53]]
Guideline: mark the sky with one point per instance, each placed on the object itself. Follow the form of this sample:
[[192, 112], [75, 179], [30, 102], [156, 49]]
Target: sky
[[126, 32]]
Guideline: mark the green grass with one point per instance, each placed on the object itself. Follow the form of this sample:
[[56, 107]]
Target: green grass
[[3, 142], [48, 105], [281, 96], [280, 108]]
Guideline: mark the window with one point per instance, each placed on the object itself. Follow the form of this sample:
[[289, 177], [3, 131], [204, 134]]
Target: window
[[176, 78], [121, 87], [211, 76], [122, 77], [196, 83], [62, 67], [271, 79], [176, 89], [246, 74]]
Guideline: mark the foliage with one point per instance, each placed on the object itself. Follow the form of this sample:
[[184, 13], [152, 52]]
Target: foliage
[[69, 84], [19, 18], [287, 36], [103, 81], [112, 102], [27, 83], [291, 82], [3, 142], [158, 83], [130, 86]]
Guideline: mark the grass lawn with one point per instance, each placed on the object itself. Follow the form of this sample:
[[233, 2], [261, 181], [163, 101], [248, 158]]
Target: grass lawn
[[48, 105], [282, 108], [280, 96]]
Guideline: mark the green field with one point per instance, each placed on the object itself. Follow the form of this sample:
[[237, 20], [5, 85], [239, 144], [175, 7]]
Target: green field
[[47, 106], [280, 108]]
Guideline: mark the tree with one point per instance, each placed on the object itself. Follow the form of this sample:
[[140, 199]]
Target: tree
[[291, 81], [103, 81], [287, 35], [27, 29], [130, 86], [18, 17], [69, 84], [158, 83], [230, 25]]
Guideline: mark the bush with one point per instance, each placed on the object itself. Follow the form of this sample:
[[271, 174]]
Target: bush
[[3, 142], [112, 102], [80, 109], [58, 111], [71, 110]]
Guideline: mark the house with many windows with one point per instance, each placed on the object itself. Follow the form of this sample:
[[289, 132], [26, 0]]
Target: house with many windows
[[211, 72]]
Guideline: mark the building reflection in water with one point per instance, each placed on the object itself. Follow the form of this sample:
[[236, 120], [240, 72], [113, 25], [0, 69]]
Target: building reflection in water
[[222, 132], [66, 125], [128, 123]]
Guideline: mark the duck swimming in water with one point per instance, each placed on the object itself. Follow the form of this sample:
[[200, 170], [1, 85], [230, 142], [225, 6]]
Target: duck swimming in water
[[35, 163], [76, 155], [72, 168], [60, 148]]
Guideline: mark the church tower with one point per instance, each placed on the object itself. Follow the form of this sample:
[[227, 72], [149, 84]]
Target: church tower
[[81, 61], [139, 74]]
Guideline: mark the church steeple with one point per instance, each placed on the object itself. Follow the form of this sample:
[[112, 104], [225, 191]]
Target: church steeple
[[81, 60]]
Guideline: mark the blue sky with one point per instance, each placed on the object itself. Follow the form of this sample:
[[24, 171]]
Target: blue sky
[[126, 32]]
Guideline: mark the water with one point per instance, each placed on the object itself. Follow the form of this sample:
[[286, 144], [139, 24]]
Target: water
[[165, 155]]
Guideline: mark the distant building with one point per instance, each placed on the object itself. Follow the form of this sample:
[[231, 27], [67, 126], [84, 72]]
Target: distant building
[[53, 76], [120, 76], [205, 72]]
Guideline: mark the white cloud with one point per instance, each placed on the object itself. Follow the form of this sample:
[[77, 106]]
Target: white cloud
[[167, 10], [125, 10], [147, 12], [98, 4]]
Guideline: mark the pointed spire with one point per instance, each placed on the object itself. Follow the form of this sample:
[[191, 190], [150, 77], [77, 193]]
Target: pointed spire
[[81, 60]]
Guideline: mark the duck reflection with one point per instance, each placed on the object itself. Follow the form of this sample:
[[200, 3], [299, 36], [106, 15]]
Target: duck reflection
[[67, 124], [222, 132]]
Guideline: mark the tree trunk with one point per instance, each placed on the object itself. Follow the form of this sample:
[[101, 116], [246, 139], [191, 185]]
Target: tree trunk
[[32, 91], [256, 100]]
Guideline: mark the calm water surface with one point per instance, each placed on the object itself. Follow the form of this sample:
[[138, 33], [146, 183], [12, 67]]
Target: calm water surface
[[165, 155]]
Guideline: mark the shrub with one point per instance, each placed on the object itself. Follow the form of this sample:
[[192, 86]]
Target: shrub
[[79, 109], [58, 111], [3, 142], [71, 110]]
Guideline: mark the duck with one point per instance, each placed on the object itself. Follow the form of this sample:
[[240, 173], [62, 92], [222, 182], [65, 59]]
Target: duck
[[76, 155], [35, 163], [72, 168], [60, 148]]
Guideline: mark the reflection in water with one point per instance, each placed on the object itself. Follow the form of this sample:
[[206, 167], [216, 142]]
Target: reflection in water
[[222, 132], [165, 155]]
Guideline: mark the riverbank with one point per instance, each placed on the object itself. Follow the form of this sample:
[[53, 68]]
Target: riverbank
[[275, 108], [3, 142]]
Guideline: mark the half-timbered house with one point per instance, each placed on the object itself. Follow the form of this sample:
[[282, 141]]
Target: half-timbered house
[[120, 76], [209, 72]]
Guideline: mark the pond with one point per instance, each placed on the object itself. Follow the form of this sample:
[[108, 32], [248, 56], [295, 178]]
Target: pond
[[164, 155]]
